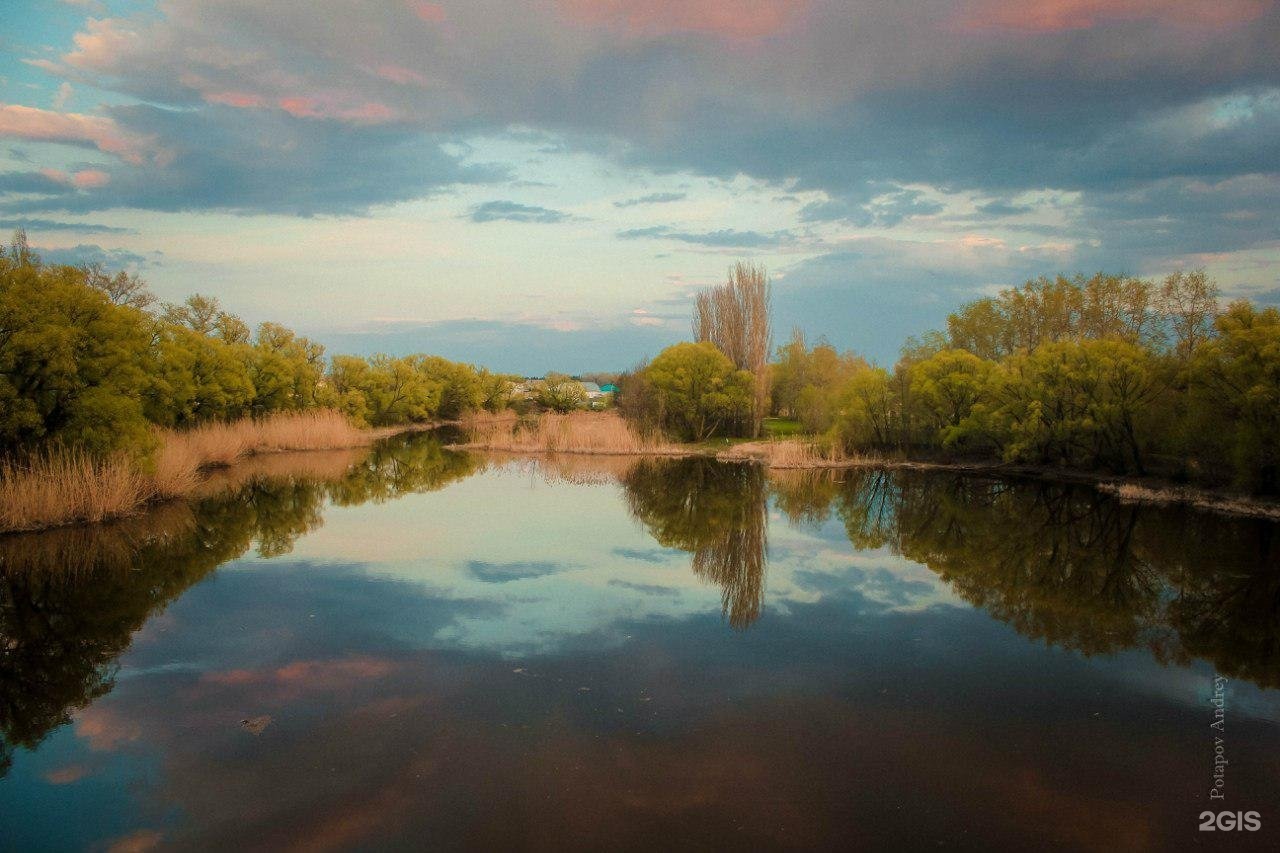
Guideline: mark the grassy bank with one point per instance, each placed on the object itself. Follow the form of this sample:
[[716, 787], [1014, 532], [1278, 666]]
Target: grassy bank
[[58, 486], [605, 433], [804, 454], [576, 432]]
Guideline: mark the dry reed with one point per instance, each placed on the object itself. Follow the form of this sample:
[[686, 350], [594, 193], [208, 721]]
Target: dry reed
[[576, 432], [1223, 503], [60, 486], [790, 453]]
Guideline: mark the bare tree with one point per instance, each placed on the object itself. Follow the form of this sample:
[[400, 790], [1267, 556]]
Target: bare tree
[[122, 288], [735, 316], [1189, 303]]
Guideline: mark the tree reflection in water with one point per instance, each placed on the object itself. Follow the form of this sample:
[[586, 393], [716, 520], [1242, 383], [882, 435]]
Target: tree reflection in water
[[72, 598], [717, 512], [1067, 565], [1059, 563]]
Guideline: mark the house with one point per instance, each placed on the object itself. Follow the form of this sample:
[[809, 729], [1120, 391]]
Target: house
[[592, 389], [609, 389]]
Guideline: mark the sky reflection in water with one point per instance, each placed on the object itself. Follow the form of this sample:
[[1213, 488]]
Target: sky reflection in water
[[454, 651]]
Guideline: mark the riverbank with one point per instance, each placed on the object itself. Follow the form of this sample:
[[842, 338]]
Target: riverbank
[[798, 454], [606, 433], [61, 487]]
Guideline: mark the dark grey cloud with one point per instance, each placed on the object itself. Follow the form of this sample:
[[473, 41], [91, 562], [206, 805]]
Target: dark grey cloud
[[32, 182], [36, 225], [651, 198], [726, 238], [885, 210], [847, 99], [53, 224], [1002, 207], [510, 211], [268, 162], [95, 254]]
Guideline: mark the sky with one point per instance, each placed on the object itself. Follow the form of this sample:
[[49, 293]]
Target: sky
[[544, 184]]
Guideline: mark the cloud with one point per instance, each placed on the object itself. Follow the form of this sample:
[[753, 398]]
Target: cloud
[[652, 198], [37, 225], [95, 254], [270, 162], [99, 132], [510, 211], [45, 182], [727, 238], [62, 96], [735, 19], [885, 210], [883, 109], [1048, 16], [1002, 207], [506, 572]]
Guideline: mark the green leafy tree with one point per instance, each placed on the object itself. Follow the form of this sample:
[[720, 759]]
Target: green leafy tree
[[698, 391], [1235, 388], [561, 394], [73, 365]]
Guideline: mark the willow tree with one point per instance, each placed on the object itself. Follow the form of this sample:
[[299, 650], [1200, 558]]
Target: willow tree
[[735, 317]]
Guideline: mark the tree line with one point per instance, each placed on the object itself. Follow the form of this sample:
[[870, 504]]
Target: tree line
[[92, 360], [1109, 373]]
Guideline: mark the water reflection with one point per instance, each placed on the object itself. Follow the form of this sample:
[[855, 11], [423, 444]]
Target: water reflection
[[718, 513], [1059, 563], [1062, 564], [71, 598]]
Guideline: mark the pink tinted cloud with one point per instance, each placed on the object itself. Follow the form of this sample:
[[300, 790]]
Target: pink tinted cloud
[[103, 45], [104, 729], [37, 125], [67, 775], [1048, 16], [401, 75], [84, 179], [305, 674], [87, 179], [330, 107], [735, 19], [140, 841], [432, 13]]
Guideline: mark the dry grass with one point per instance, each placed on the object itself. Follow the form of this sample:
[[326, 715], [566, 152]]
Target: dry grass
[[1223, 503], [60, 486], [790, 453], [577, 432], [217, 444]]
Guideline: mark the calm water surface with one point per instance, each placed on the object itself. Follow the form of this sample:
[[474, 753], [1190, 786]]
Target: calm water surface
[[413, 648]]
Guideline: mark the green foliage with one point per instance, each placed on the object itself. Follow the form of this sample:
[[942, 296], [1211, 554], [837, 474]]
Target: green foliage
[[561, 394], [84, 360], [952, 389], [698, 392], [73, 365], [1082, 404], [1235, 393], [806, 382]]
